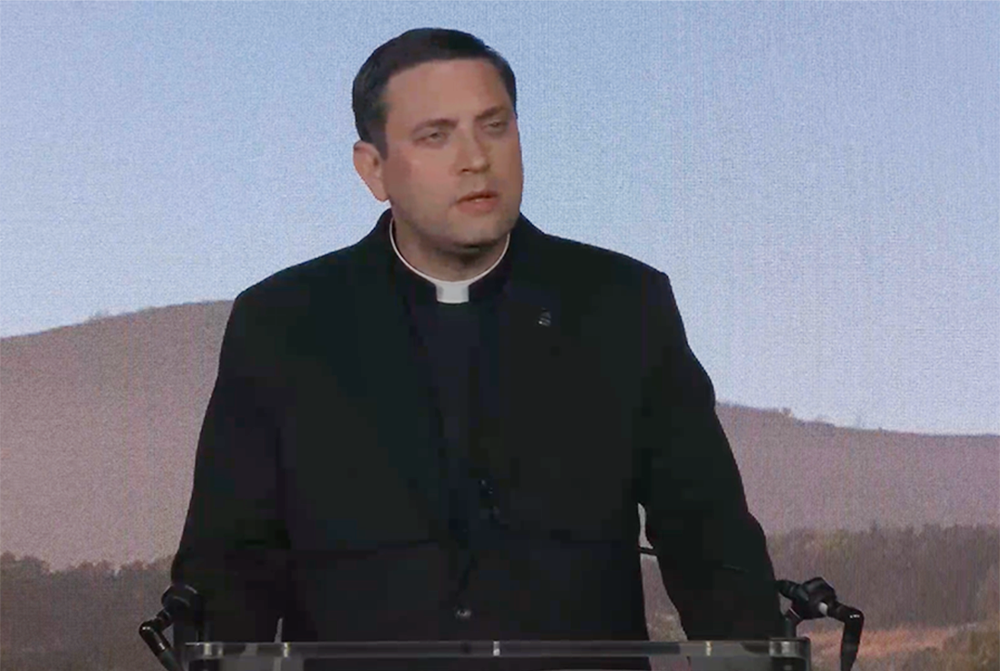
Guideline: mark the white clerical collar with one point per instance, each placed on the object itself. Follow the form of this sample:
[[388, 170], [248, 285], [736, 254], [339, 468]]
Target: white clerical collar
[[448, 292]]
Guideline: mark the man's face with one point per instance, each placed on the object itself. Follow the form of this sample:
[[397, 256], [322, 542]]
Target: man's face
[[430, 167]]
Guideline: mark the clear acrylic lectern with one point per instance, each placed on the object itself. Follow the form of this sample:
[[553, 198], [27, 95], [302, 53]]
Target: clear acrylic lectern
[[775, 654]]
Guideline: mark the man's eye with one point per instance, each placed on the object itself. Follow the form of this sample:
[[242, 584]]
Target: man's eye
[[496, 124]]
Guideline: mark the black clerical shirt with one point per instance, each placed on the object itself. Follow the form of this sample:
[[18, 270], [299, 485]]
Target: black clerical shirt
[[453, 325]]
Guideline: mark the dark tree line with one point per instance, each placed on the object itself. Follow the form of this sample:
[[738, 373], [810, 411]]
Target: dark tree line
[[934, 576]]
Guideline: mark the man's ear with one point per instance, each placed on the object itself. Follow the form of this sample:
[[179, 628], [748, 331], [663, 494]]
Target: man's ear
[[368, 165]]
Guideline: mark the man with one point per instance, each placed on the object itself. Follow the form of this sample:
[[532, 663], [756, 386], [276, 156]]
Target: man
[[444, 430]]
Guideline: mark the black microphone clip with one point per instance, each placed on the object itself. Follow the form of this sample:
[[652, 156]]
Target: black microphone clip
[[181, 603], [815, 598]]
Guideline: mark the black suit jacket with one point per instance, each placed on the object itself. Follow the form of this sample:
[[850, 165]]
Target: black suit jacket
[[318, 494]]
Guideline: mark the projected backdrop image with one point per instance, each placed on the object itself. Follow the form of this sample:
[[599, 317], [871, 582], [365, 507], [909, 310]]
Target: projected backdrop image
[[820, 182]]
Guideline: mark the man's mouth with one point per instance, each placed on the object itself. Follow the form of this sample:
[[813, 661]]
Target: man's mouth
[[479, 195]]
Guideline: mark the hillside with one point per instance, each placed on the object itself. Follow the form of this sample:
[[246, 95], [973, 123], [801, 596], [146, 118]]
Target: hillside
[[100, 422]]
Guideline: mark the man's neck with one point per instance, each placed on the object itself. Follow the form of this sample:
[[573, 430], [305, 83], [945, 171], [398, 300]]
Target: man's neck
[[445, 268]]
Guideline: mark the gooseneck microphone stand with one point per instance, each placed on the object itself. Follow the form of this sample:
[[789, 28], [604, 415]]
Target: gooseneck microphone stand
[[814, 599], [181, 604]]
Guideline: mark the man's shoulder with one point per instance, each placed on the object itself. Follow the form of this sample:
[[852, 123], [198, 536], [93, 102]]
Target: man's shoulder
[[301, 283], [585, 263], [574, 263]]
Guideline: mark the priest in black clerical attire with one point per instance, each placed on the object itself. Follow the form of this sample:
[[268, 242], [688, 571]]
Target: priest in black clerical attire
[[444, 431]]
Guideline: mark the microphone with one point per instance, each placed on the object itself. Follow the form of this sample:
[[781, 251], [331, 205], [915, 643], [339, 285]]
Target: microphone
[[815, 598], [181, 603]]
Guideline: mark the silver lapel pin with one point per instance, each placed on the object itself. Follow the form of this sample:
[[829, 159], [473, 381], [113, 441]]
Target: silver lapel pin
[[545, 319]]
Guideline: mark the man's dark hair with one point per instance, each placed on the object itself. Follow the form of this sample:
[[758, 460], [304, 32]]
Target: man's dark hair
[[413, 48]]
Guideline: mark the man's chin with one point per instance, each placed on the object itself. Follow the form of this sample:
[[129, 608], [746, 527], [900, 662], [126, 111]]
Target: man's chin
[[480, 240], [473, 248]]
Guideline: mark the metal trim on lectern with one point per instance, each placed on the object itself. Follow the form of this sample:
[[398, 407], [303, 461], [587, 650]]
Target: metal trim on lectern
[[786, 654]]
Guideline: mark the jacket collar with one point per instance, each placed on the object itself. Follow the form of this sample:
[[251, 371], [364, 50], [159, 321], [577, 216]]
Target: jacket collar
[[378, 251], [487, 283]]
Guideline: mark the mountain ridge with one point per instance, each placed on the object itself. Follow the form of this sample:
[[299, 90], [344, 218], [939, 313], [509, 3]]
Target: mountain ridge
[[100, 423]]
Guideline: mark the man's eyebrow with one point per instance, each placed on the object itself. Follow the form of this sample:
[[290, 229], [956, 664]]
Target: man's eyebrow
[[451, 123]]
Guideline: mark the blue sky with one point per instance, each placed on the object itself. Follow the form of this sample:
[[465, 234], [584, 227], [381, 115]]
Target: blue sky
[[821, 181]]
